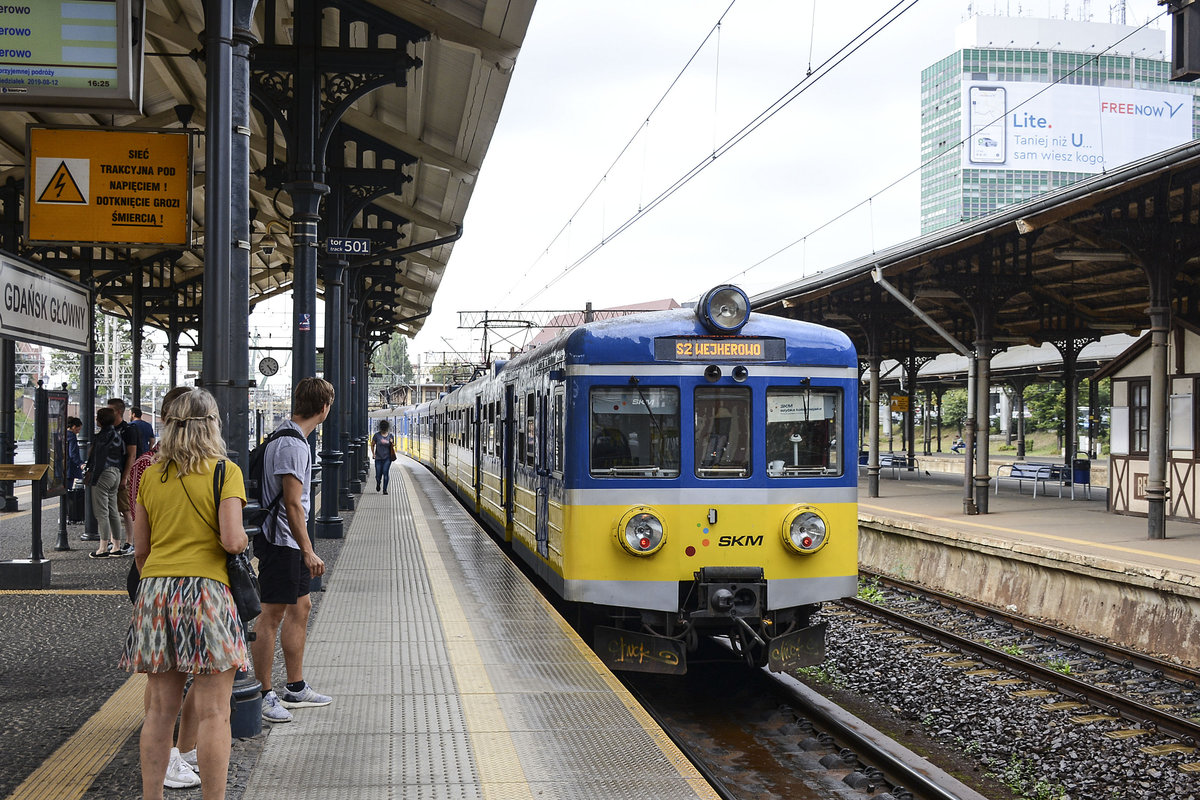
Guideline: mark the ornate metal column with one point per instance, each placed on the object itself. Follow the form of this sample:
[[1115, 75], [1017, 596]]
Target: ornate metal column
[[218, 238], [237, 430], [1156, 478]]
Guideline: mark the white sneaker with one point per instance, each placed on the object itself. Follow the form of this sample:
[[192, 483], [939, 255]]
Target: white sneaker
[[272, 711], [179, 774], [189, 758]]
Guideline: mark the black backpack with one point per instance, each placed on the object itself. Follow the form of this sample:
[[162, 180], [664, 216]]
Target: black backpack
[[256, 514]]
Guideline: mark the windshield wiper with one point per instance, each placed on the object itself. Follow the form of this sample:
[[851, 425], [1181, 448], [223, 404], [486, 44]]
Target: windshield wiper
[[636, 384]]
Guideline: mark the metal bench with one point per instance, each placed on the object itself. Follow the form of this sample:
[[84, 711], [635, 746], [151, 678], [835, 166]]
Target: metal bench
[[896, 462], [1035, 474]]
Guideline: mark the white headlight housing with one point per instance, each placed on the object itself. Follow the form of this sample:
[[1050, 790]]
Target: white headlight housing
[[641, 531], [805, 530]]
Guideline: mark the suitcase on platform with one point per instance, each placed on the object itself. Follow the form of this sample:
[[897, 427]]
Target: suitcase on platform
[[75, 505]]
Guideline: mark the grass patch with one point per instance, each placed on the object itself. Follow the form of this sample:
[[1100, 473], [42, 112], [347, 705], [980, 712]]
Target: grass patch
[[869, 592]]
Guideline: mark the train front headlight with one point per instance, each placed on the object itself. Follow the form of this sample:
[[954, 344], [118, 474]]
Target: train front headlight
[[804, 530], [641, 531], [724, 309]]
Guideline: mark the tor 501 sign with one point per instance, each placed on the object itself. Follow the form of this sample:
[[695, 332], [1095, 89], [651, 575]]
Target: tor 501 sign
[[348, 247]]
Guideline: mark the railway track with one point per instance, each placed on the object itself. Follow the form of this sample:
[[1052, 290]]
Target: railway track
[[1147, 692], [754, 734]]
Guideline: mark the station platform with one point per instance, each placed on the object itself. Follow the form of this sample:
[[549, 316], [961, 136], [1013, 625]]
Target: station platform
[[451, 676], [1069, 561], [454, 678]]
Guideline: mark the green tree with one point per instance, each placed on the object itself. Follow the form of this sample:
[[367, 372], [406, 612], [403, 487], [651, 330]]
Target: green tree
[[1046, 403], [391, 359], [954, 408]]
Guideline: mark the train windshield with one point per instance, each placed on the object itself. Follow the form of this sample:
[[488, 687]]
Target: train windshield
[[802, 431], [723, 432], [635, 432]]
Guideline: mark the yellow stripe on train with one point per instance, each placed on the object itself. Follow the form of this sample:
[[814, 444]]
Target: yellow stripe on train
[[743, 535]]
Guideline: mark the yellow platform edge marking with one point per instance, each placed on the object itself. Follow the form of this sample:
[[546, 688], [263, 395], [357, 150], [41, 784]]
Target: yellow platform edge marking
[[496, 757], [69, 771], [677, 759], [1051, 537]]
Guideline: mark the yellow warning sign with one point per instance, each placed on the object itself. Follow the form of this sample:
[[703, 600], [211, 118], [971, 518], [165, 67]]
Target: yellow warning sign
[[899, 403], [62, 188], [106, 186]]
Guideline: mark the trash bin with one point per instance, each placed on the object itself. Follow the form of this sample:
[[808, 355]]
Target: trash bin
[[1081, 471]]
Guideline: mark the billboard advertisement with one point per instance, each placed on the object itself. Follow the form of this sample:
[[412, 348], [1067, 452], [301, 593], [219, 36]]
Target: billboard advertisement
[[1068, 128]]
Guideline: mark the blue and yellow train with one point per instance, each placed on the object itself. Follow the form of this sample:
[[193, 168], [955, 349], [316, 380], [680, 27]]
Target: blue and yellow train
[[676, 474]]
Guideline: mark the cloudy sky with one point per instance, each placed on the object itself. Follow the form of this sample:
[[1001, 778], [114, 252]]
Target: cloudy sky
[[587, 82]]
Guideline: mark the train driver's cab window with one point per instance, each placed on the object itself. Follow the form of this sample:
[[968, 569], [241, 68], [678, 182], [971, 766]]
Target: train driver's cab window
[[634, 432], [802, 432], [723, 432]]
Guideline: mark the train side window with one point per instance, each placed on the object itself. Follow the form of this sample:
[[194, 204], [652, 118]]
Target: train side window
[[802, 431], [558, 431], [634, 432], [530, 448], [722, 432], [519, 431]]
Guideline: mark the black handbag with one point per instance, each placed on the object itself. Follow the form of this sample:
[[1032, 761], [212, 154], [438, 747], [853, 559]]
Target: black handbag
[[243, 583]]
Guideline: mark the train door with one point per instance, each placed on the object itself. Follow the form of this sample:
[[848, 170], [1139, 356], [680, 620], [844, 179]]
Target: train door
[[506, 471], [433, 438], [542, 480], [476, 447], [445, 442]]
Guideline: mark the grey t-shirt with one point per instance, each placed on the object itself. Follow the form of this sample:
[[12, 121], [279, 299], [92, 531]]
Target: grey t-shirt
[[286, 456]]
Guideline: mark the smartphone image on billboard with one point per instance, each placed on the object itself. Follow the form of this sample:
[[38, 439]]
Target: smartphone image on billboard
[[988, 109]]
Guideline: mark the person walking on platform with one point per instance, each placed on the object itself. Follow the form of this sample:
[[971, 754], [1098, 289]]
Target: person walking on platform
[[104, 476], [129, 436], [184, 619], [286, 559], [383, 443]]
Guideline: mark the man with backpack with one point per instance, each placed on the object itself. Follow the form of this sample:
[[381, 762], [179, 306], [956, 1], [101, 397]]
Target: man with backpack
[[286, 560]]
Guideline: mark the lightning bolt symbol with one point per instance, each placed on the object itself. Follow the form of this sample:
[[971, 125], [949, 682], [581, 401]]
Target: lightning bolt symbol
[[59, 184]]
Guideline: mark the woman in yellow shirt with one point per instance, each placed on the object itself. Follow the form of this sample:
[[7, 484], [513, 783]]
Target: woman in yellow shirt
[[185, 621]]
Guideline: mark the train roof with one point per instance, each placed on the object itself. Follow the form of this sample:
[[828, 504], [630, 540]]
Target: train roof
[[630, 339]]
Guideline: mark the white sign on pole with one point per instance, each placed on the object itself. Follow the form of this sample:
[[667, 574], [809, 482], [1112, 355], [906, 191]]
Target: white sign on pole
[[38, 306], [1068, 127]]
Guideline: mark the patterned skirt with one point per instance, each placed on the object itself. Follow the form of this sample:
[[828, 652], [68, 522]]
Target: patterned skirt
[[186, 625]]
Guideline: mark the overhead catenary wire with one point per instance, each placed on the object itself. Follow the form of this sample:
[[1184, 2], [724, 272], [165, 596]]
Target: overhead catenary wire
[[824, 68], [942, 153], [643, 125]]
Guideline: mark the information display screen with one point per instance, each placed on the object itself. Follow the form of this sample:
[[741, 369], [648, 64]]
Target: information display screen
[[700, 348], [71, 54]]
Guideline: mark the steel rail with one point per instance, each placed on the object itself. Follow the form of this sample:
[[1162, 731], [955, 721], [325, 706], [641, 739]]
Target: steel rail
[[1155, 667], [899, 765], [1187, 731]]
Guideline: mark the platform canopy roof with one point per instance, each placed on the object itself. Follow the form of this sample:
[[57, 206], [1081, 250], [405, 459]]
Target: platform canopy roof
[[412, 152], [1065, 268]]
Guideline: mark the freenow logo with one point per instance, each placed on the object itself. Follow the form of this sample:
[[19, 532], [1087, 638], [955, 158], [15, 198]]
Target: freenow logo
[[1164, 109]]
